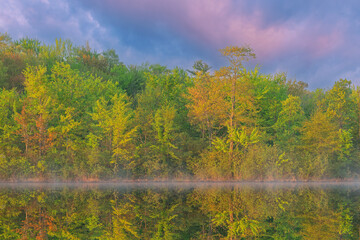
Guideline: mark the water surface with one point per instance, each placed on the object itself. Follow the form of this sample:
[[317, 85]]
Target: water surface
[[180, 211]]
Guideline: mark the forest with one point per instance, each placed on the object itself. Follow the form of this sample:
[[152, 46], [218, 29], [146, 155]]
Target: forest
[[72, 113]]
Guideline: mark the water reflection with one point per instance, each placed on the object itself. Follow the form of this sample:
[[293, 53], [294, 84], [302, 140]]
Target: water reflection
[[180, 211]]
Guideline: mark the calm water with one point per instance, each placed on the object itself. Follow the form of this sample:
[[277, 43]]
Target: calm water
[[180, 211]]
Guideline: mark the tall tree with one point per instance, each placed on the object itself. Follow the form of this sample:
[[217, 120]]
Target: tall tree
[[240, 108], [115, 121], [35, 116]]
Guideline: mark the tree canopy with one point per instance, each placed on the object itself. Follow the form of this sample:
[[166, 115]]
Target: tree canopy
[[70, 112]]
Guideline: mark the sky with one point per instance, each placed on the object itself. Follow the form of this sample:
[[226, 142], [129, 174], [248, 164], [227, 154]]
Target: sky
[[317, 42]]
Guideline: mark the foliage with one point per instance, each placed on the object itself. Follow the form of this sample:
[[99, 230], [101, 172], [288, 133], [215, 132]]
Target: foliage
[[70, 112]]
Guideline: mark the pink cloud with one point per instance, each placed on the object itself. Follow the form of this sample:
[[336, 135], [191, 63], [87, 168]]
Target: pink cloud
[[218, 23], [11, 14]]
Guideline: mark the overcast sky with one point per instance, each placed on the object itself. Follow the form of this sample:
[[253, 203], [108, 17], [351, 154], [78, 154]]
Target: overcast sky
[[317, 42]]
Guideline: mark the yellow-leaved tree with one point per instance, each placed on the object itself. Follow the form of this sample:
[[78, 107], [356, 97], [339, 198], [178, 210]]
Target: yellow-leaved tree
[[225, 101], [114, 118]]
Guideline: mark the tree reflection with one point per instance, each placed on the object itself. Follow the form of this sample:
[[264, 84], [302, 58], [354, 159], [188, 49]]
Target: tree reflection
[[220, 212]]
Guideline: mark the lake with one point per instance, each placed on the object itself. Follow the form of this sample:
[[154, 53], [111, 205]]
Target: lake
[[180, 211]]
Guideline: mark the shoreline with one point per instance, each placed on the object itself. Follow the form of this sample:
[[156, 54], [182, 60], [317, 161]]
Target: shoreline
[[175, 181]]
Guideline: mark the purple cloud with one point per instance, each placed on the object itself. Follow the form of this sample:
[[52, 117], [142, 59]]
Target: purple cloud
[[313, 41]]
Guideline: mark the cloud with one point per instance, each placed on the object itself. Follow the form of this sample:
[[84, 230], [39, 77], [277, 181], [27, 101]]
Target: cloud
[[11, 14], [46, 22], [284, 35], [314, 41], [216, 23]]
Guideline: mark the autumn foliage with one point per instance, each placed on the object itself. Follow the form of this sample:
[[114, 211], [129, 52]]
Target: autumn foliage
[[72, 113]]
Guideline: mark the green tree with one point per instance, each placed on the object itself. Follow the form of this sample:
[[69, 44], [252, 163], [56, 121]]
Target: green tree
[[114, 118], [320, 141], [35, 116], [161, 115], [289, 122], [341, 105]]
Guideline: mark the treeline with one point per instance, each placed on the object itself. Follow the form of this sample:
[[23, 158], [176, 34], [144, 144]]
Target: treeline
[[69, 112]]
